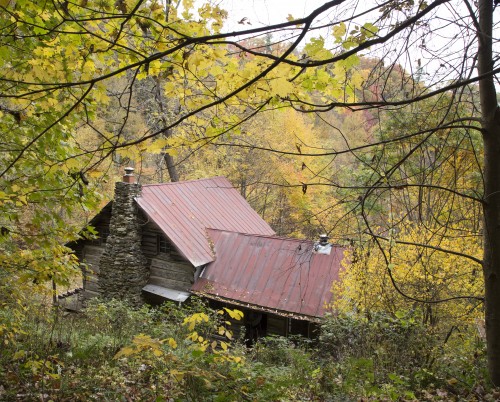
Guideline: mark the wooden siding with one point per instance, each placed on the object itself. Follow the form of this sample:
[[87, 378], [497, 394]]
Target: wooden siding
[[89, 253], [272, 324], [91, 256], [169, 270], [101, 225], [171, 274]]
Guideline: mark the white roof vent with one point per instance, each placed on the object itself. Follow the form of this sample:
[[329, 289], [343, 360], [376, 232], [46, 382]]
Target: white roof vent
[[322, 246]]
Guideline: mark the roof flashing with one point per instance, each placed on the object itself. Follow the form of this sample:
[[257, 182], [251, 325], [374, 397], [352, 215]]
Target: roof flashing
[[171, 294]]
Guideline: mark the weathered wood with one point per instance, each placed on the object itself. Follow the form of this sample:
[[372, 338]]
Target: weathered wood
[[91, 257], [149, 243], [90, 278], [170, 283], [176, 274], [92, 264], [92, 250], [92, 269], [150, 233], [170, 264]]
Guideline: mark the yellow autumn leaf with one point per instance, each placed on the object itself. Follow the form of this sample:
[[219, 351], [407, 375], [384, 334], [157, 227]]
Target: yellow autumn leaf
[[234, 314], [158, 145], [179, 375], [124, 352], [23, 200], [280, 86], [196, 59]]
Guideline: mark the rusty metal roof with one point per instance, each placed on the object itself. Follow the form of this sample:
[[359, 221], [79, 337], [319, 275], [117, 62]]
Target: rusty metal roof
[[184, 210], [272, 273]]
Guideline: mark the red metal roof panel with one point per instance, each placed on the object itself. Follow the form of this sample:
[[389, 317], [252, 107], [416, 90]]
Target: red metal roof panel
[[184, 210], [270, 272]]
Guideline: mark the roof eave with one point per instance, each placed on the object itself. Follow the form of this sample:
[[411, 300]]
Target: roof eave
[[282, 313]]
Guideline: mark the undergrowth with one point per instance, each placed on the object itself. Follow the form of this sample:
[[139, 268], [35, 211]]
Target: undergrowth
[[112, 352]]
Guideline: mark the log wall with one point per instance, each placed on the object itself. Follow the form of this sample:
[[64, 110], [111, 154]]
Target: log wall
[[168, 269]]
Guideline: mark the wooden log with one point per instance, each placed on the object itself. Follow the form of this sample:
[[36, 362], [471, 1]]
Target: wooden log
[[169, 283], [93, 250]]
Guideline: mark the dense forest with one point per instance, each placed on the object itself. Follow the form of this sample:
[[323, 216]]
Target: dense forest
[[375, 124]]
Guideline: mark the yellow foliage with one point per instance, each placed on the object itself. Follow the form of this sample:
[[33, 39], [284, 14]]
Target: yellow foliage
[[425, 270], [194, 319], [234, 314], [140, 344]]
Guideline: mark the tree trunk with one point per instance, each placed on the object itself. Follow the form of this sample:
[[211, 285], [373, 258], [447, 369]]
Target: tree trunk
[[491, 205], [491, 259], [172, 170]]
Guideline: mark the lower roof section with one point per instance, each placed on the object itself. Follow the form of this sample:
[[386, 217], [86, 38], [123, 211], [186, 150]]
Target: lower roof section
[[279, 275]]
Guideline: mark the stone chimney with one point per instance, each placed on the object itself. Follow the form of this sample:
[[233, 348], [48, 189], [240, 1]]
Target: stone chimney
[[123, 267]]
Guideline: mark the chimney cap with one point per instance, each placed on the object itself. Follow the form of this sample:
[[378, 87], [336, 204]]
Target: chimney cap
[[128, 177], [323, 238]]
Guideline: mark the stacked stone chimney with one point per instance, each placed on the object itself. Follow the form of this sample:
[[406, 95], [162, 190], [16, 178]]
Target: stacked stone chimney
[[123, 266]]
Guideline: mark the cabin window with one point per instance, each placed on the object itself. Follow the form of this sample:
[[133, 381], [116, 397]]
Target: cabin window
[[163, 244], [298, 327]]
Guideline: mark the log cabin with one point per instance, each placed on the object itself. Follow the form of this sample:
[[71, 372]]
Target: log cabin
[[168, 241]]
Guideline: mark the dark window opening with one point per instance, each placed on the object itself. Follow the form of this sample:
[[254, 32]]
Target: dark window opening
[[163, 244], [298, 327], [255, 326]]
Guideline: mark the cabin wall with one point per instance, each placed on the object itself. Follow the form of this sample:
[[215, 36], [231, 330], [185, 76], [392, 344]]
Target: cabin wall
[[258, 324], [168, 268], [277, 325], [89, 254], [90, 269]]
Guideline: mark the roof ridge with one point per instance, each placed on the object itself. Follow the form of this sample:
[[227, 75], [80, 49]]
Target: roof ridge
[[186, 181], [261, 235], [272, 236]]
